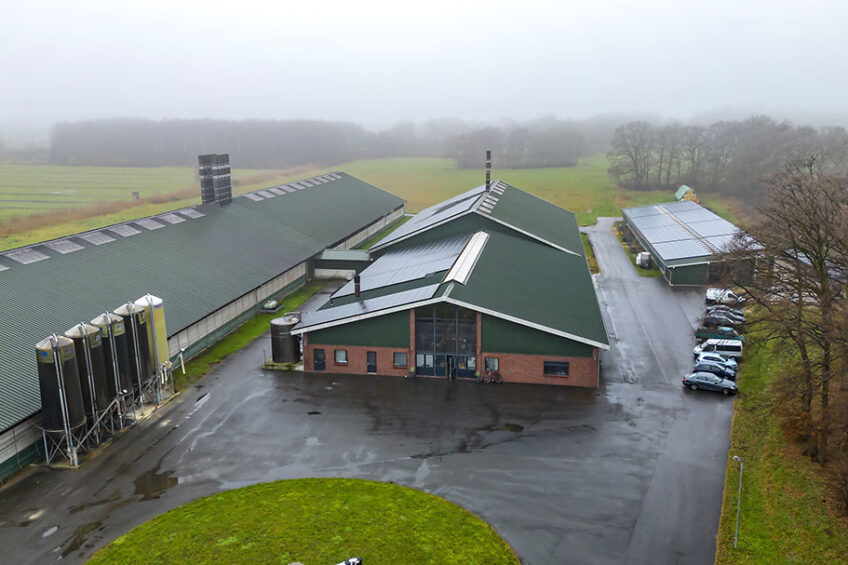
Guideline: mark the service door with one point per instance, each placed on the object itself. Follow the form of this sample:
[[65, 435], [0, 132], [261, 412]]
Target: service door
[[371, 361], [320, 361]]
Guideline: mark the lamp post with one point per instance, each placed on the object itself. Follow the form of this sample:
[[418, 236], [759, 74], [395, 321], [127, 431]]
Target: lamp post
[[738, 501]]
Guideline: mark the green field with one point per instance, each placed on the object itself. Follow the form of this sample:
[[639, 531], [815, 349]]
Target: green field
[[76, 192], [784, 517], [313, 521]]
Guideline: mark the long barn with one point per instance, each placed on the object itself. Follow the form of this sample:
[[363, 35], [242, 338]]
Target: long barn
[[212, 264]]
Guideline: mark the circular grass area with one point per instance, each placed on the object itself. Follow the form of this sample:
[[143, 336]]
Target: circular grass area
[[314, 522]]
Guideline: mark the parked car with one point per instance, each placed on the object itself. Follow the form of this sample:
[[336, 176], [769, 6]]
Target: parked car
[[709, 381], [717, 358], [714, 368], [725, 309], [723, 296], [714, 320], [721, 332], [725, 347]]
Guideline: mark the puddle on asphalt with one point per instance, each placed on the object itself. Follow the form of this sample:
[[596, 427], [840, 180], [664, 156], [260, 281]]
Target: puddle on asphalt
[[198, 404], [78, 538], [507, 426], [152, 484], [50, 531], [313, 413], [81, 507], [312, 441]]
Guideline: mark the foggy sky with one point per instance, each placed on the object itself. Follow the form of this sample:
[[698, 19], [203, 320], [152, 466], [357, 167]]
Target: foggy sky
[[377, 62]]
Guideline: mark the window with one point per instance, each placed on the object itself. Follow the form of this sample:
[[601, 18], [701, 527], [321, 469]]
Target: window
[[399, 359], [492, 364], [556, 368], [341, 356]]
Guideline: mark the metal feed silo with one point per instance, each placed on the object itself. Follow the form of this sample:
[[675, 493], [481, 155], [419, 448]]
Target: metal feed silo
[[91, 366], [156, 332], [115, 352], [135, 322], [285, 347], [58, 379]]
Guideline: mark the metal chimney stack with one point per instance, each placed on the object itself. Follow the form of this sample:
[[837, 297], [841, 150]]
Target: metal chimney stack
[[356, 286], [488, 169]]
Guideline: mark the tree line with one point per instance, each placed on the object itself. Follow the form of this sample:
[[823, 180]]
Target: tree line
[[798, 304], [731, 157], [544, 142]]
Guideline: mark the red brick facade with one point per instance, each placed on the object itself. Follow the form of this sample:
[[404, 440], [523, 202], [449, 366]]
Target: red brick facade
[[517, 368], [513, 367]]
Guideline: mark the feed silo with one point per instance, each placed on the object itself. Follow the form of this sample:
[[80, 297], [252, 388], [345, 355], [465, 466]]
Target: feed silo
[[116, 353], [156, 332], [91, 366], [61, 398], [138, 345], [285, 347]]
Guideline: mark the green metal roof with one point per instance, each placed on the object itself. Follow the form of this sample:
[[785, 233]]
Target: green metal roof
[[514, 278], [536, 217], [681, 192], [196, 265]]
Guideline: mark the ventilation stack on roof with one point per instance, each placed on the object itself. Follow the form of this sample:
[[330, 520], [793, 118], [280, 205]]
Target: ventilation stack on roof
[[214, 171], [356, 286], [488, 169]]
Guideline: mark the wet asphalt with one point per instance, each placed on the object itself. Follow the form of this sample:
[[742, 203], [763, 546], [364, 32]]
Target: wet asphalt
[[629, 473]]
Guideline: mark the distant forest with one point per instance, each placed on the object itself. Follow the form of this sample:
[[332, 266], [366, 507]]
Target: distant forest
[[730, 157], [544, 142]]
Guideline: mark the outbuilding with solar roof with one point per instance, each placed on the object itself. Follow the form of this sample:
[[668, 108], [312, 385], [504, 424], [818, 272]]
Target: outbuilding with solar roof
[[685, 239]]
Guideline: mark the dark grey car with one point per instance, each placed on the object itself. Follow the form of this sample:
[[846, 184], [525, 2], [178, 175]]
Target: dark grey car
[[709, 381]]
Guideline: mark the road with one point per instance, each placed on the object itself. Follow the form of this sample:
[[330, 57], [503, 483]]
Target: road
[[629, 473]]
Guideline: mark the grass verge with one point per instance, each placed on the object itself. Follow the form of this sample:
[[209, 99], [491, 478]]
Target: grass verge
[[245, 333], [369, 243], [784, 517], [313, 521], [590, 255], [653, 272]]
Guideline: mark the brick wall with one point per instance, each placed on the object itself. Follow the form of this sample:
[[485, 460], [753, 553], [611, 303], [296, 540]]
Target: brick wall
[[517, 368], [357, 361]]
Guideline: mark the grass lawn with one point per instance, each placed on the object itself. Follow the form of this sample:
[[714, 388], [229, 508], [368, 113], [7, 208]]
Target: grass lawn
[[653, 272], [783, 518], [590, 254], [246, 333], [585, 189], [315, 522]]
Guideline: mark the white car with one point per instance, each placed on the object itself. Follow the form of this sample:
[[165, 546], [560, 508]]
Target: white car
[[723, 296], [728, 362]]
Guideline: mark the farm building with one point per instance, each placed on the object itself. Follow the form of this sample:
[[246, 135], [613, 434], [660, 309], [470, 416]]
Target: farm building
[[212, 264], [490, 280], [683, 238]]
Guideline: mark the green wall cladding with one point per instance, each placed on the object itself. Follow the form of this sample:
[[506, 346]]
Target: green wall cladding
[[391, 330], [17, 462], [500, 336], [689, 275]]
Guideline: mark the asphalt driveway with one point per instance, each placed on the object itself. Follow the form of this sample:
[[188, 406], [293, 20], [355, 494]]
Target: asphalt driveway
[[629, 473]]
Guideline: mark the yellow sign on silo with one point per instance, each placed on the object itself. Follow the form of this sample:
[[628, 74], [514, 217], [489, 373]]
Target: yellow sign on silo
[[156, 329]]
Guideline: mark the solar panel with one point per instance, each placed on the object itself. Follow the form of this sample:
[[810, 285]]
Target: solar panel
[[149, 224], [662, 234], [191, 213], [681, 249], [409, 264], [647, 222], [96, 237], [124, 230], [335, 176], [714, 227], [26, 256], [641, 211], [253, 196], [368, 306], [64, 246], [171, 218], [693, 216]]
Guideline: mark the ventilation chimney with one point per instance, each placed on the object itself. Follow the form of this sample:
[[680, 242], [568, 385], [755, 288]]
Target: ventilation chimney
[[356, 286], [214, 171], [488, 169]]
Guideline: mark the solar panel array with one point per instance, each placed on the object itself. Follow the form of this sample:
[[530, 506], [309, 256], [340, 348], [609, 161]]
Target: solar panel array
[[409, 264], [679, 230], [433, 215], [368, 306]]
